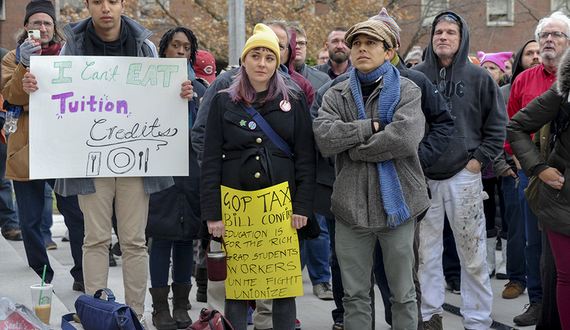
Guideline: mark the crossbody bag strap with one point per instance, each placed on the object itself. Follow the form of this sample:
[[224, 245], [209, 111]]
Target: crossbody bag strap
[[268, 130]]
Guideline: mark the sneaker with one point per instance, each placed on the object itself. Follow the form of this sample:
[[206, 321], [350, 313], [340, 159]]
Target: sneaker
[[112, 261], [338, 325], [65, 237], [454, 286], [530, 316], [49, 243], [323, 291], [116, 249], [13, 234], [435, 323], [512, 290], [298, 324], [79, 286]]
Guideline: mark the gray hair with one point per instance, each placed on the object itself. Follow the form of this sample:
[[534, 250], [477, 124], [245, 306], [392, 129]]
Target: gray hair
[[415, 54], [558, 15], [299, 31], [280, 23]]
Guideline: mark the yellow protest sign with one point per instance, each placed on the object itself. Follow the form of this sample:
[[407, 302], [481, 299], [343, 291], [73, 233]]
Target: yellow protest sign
[[263, 248]]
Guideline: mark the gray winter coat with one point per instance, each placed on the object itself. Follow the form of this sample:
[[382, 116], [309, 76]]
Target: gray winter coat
[[356, 197]]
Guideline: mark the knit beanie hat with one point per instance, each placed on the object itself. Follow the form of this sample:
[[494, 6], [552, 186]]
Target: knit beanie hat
[[262, 36], [205, 66], [498, 58], [39, 6], [384, 17], [381, 27]]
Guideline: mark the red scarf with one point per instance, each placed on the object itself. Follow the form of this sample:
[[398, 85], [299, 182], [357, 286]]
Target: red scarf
[[52, 49]]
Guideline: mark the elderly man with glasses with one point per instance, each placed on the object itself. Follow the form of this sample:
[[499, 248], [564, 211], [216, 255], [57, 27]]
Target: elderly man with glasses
[[454, 181]]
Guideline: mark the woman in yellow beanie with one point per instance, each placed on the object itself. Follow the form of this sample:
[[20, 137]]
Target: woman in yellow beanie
[[240, 154]]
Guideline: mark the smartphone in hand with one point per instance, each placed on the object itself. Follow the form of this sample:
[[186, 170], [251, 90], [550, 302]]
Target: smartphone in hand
[[35, 35]]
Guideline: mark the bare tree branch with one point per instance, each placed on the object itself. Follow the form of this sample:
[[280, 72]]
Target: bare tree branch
[[209, 11], [528, 10], [168, 13]]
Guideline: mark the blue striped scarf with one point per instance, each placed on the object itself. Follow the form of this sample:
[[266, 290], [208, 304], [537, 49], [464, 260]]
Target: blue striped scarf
[[392, 196]]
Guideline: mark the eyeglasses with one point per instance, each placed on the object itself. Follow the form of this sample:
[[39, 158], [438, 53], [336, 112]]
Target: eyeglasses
[[302, 44], [555, 35], [38, 24], [323, 58]]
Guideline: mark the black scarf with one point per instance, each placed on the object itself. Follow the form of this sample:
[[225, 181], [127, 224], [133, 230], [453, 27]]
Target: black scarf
[[125, 45]]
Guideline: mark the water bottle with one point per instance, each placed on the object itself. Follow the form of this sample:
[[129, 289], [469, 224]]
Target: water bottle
[[11, 124]]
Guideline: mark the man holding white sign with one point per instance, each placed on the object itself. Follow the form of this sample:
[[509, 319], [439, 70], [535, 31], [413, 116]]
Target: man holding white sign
[[107, 33]]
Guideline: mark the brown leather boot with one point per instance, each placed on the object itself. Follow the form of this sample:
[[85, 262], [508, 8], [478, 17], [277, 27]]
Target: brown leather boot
[[180, 304], [160, 311]]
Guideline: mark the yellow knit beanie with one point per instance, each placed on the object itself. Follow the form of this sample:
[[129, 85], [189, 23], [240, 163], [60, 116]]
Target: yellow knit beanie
[[262, 36]]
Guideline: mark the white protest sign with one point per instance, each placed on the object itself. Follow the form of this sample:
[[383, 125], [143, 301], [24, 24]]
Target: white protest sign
[[99, 116]]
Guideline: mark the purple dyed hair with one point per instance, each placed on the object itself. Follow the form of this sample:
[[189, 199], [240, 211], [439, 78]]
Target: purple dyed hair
[[242, 91]]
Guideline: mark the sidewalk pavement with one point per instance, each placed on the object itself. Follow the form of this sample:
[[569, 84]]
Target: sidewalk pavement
[[314, 314]]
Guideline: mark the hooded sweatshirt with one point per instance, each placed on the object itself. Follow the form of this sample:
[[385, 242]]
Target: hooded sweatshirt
[[517, 69], [475, 102], [305, 85]]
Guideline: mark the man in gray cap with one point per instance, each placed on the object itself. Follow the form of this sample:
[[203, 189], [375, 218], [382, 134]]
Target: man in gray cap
[[379, 190]]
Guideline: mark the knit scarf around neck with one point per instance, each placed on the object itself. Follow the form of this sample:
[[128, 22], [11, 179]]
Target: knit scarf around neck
[[125, 45], [390, 189]]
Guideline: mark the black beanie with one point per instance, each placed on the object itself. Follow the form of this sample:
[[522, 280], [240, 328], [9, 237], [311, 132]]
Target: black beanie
[[39, 6]]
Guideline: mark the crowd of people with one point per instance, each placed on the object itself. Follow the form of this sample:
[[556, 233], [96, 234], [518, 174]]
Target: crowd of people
[[397, 168]]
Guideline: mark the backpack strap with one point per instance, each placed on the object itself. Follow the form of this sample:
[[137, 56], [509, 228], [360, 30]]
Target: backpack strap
[[268, 130]]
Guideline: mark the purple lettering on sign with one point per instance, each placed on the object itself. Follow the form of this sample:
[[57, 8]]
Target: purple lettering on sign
[[68, 103]]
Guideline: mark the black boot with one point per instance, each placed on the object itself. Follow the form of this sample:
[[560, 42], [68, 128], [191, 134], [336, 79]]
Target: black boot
[[181, 305], [160, 312], [202, 283]]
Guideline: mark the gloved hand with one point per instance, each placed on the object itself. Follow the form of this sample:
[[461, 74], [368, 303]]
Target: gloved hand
[[28, 49]]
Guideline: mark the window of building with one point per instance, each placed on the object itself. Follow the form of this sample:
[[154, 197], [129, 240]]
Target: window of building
[[430, 9], [2, 10], [561, 5], [500, 12]]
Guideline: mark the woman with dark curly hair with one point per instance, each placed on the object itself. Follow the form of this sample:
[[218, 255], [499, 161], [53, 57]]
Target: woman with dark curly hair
[[174, 213]]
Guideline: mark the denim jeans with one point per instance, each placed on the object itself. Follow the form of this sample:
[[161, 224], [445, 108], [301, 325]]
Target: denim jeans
[[337, 288], [47, 214], [450, 259], [159, 261], [8, 216], [516, 240], [533, 248], [30, 199], [73, 218], [315, 254]]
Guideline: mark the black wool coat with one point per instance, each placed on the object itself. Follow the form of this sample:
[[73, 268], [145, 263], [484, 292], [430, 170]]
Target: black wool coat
[[241, 157]]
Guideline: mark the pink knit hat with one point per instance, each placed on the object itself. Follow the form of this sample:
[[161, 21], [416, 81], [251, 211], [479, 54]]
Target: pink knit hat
[[497, 58]]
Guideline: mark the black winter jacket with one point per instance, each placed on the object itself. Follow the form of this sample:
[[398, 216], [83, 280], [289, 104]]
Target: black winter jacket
[[553, 105], [234, 154]]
